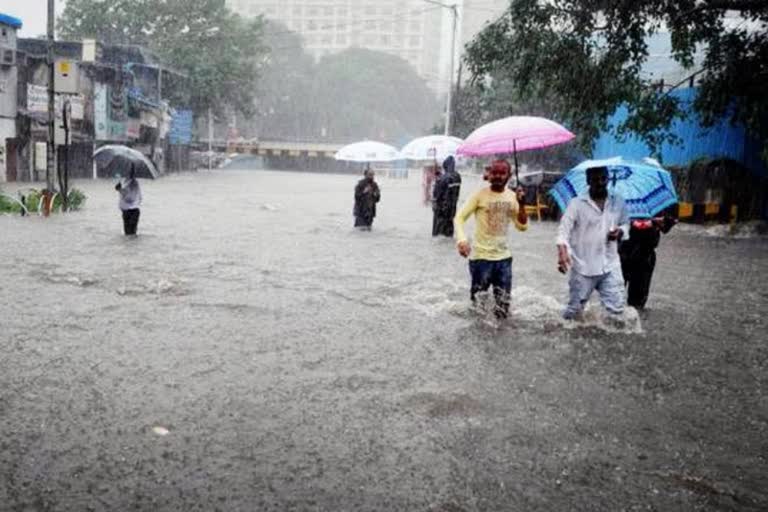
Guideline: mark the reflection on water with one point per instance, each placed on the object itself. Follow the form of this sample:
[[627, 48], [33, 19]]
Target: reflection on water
[[280, 350]]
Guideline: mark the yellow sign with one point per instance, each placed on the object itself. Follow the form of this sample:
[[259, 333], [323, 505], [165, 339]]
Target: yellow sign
[[64, 67]]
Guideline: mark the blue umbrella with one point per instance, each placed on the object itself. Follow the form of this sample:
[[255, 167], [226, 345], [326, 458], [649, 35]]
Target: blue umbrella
[[646, 187]]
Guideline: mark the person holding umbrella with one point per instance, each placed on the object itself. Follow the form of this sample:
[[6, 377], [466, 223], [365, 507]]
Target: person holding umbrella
[[490, 260], [130, 200], [587, 244]]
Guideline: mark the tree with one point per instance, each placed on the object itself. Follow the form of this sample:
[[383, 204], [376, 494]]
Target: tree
[[364, 93], [218, 51], [585, 58], [284, 100], [345, 96]]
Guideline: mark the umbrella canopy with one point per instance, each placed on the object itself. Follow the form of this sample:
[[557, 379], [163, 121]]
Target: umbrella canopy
[[431, 147], [646, 188], [512, 134], [368, 151], [120, 159]]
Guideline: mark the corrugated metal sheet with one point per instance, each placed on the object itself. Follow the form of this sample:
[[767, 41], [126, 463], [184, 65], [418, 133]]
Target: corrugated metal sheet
[[723, 140]]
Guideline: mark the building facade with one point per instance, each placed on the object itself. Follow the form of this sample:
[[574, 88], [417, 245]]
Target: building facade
[[413, 30], [8, 94]]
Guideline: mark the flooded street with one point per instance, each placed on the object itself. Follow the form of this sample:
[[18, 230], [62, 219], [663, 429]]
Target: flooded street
[[251, 351]]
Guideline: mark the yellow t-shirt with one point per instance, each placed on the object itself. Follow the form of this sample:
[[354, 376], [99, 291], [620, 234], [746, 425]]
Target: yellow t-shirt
[[493, 211]]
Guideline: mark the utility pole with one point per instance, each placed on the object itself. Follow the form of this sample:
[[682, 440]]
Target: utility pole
[[448, 104], [210, 138], [51, 147]]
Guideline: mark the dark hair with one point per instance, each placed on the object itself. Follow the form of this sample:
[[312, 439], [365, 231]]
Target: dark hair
[[595, 172]]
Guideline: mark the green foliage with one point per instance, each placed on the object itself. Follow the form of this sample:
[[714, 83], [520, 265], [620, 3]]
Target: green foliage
[[7, 205], [32, 199], [349, 95], [584, 59], [218, 51], [77, 199]]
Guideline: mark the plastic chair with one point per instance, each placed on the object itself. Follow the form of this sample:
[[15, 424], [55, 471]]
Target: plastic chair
[[536, 208]]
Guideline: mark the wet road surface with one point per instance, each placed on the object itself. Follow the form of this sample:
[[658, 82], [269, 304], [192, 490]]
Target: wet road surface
[[251, 351]]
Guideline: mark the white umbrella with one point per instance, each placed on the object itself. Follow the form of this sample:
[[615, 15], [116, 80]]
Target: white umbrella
[[431, 147], [368, 151]]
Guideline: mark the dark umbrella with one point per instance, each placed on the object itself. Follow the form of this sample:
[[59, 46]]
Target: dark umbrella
[[114, 159]]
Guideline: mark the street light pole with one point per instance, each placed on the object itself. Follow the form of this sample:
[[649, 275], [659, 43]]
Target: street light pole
[[449, 99], [50, 160]]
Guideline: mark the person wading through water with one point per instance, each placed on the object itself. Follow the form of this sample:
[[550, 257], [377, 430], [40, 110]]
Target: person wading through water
[[638, 256], [587, 243], [130, 200], [490, 260], [367, 194], [446, 196]]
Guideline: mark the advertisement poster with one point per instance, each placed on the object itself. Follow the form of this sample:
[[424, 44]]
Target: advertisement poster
[[100, 111]]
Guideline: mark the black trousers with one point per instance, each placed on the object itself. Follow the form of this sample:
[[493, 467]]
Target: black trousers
[[442, 223], [131, 221], [638, 271]]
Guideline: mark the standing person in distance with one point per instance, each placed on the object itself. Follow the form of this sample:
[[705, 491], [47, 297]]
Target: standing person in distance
[[130, 200], [446, 196], [367, 194]]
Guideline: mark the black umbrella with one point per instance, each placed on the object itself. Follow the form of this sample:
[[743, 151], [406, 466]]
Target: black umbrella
[[121, 159]]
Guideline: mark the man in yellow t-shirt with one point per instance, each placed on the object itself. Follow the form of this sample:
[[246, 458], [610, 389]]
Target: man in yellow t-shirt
[[490, 261]]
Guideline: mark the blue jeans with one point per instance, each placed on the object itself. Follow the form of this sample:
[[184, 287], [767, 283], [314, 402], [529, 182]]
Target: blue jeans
[[610, 286], [486, 273]]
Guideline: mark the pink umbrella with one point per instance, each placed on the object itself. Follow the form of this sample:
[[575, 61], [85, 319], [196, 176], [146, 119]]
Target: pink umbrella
[[513, 134]]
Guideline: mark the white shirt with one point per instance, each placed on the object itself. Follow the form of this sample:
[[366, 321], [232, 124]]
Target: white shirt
[[130, 195], [584, 231]]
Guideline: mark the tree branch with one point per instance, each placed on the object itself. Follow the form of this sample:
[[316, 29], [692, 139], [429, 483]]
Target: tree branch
[[724, 5]]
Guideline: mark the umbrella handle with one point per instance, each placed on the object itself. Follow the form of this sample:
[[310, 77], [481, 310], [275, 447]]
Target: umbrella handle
[[517, 171]]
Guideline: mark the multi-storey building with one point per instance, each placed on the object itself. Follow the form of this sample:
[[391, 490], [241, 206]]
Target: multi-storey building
[[411, 29]]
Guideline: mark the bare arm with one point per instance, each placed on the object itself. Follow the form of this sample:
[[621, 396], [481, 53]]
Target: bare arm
[[467, 210]]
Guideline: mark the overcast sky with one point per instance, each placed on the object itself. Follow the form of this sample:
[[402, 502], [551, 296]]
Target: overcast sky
[[32, 14]]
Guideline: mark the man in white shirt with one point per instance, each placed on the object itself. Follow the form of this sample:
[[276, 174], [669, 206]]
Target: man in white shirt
[[587, 243]]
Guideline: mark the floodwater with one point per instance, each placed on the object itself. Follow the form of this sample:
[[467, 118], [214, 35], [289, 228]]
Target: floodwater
[[251, 351]]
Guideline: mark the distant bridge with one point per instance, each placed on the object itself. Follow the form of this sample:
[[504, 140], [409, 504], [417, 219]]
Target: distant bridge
[[277, 149]]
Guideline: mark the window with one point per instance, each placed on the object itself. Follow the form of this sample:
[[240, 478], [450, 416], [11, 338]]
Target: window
[[341, 12], [341, 39], [297, 10], [326, 39], [369, 9], [328, 11], [415, 26], [313, 11], [311, 25], [414, 41], [384, 40]]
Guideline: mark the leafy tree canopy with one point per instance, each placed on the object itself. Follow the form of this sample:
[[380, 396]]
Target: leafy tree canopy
[[218, 51], [345, 96], [584, 58]]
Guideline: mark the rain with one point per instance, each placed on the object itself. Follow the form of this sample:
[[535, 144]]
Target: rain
[[264, 265]]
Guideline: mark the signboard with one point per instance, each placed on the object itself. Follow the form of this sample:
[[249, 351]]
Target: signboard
[[100, 111], [181, 127], [115, 130], [37, 101], [132, 128]]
